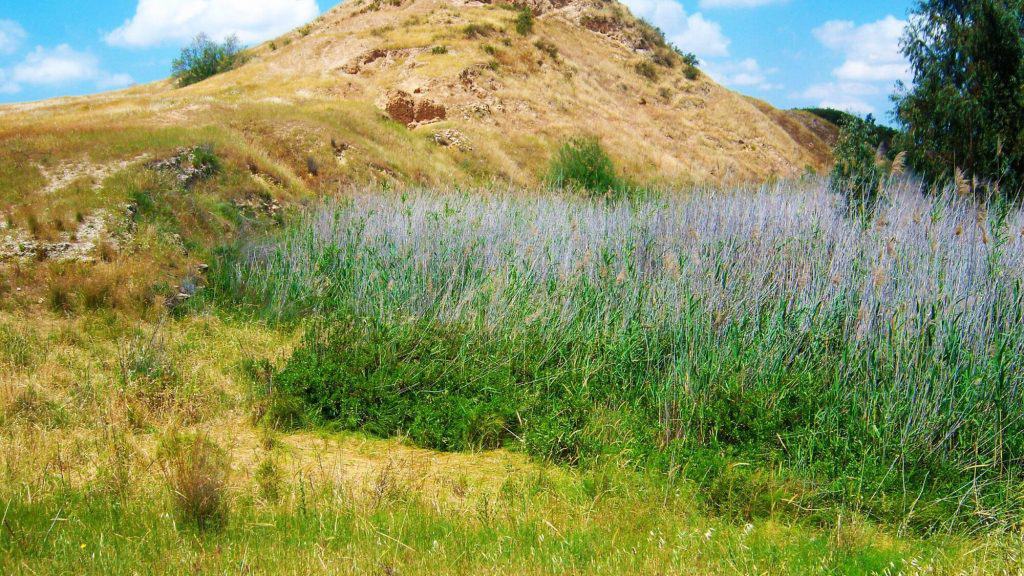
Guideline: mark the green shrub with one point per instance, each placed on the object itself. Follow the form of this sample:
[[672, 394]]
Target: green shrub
[[582, 164], [204, 58], [439, 50], [524, 21], [205, 160], [360, 376]]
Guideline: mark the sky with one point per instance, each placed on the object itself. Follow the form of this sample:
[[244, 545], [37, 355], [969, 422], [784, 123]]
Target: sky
[[793, 53]]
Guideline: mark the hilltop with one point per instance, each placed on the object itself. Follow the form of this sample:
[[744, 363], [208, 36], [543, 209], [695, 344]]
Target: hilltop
[[449, 91]]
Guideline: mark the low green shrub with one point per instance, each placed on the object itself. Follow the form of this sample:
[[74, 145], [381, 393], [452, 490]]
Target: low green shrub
[[582, 164], [524, 21], [646, 69]]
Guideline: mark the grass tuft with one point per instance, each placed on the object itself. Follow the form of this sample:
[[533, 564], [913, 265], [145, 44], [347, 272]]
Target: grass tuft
[[196, 472]]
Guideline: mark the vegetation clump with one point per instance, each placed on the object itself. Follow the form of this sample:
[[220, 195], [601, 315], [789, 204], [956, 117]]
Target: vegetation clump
[[196, 471], [582, 164], [205, 58], [547, 47], [646, 69], [524, 21]]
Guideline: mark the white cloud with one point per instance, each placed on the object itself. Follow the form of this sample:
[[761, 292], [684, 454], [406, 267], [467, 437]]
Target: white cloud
[[59, 66], [871, 51], [159, 21], [872, 63], [690, 32], [848, 96], [11, 36], [742, 74], [114, 81], [710, 4]]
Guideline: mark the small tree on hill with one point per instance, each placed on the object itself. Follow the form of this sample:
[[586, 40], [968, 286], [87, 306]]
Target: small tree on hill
[[204, 58], [965, 110]]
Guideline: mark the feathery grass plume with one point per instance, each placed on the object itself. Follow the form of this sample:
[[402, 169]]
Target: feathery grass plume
[[960, 183], [899, 164]]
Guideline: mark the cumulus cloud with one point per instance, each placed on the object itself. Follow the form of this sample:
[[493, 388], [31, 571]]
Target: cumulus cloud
[[872, 63], [871, 51], [745, 73], [690, 32], [849, 96], [11, 36], [59, 66], [160, 21], [709, 4]]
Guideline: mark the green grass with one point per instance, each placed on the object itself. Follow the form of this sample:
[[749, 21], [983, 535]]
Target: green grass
[[599, 523]]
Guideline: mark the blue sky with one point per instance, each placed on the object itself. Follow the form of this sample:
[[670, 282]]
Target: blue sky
[[792, 53]]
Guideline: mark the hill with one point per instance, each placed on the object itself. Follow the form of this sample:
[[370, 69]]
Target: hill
[[465, 96]]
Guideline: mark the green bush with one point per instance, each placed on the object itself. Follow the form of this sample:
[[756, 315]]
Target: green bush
[[204, 58], [524, 21], [582, 164]]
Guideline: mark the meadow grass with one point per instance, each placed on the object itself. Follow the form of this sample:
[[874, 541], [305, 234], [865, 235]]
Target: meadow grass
[[602, 522], [785, 358]]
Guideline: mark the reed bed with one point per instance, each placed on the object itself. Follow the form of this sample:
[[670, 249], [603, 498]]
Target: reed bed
[[875, 366]]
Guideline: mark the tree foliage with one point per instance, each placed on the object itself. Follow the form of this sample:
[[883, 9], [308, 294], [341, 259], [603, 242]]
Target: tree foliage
[[882, 136], [858, 171], [204, 58], [965, 110]]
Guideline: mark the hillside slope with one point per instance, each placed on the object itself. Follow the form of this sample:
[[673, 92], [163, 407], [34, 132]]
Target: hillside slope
[[474, 100]]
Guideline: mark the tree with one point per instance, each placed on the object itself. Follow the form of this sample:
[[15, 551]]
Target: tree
[[965, 110], [204, 58], [858, 171]]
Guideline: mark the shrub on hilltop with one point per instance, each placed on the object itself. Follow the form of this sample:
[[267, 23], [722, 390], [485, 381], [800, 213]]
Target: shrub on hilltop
[[204, 58]]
